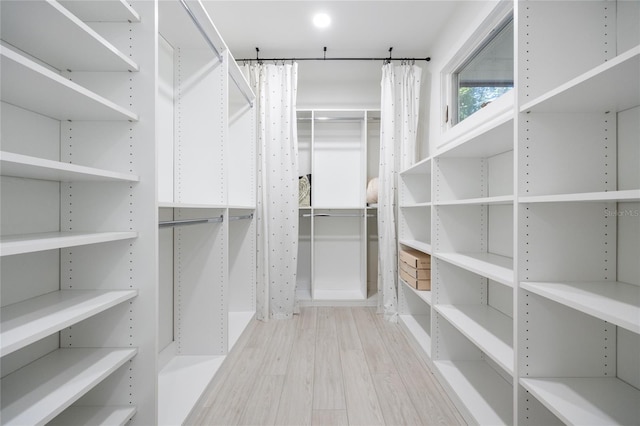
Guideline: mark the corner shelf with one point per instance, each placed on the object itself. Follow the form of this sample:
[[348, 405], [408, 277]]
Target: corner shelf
[[416, 324], [57, 37], [486, 327], [37, 393], [489, 265], [26, 322], [611, 86], [23, 166], [29, 243], [588, 400], [90, 415], [471, 379], [611, 301], [31, 86]]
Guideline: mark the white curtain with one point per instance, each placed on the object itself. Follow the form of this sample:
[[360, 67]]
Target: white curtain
[[400, 101], [275, 87]]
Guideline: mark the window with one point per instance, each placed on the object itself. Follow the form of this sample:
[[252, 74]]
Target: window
[[486, 74]]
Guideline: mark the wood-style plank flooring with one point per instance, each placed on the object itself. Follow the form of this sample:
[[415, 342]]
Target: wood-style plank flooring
[[326, 366]]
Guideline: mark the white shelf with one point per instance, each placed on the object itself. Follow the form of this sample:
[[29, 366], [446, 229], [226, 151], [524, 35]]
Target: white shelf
[[101, 10], [587, 401], [242, 207], [425, 295], [485, 140], [29, 243], [486, 327], [24, 166], [49, 32], [611, 301], [40, 391], [486, 395], [611, 86], [418, 327], [26, 322], [418, 245], [628, 195], [409, 206], [485, 201], [33, 87], [238, 322], [489, 265], [181, 383], [90, 415], [172, 205], [422, 167]]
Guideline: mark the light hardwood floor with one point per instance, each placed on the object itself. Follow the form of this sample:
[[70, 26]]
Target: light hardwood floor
[[326, 366]]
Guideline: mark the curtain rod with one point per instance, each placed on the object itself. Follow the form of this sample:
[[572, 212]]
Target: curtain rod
[[324, 58]]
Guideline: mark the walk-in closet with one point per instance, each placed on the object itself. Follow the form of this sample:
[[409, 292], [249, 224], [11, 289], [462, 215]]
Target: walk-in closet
[[218, 212]]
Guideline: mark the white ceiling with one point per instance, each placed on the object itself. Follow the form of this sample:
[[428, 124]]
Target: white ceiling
[[358, 29]]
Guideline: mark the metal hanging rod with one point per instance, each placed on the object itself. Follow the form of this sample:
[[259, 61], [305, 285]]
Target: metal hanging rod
[[335, 215], [258, 59], [202, 31], [185, 222], [246, 216], [338, 118]]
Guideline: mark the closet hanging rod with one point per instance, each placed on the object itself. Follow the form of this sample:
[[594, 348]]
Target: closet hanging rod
[[196, 22], [246, 216], [335, 215], [337, 119], [185, 222]]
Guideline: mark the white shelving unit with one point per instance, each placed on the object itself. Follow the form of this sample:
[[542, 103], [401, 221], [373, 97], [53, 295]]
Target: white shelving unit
[[339, 149], [207, 169], [579, 230], [534, 229], [78, 220]]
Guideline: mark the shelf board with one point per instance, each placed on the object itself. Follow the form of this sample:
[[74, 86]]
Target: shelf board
[[489, 329], [422, 167], [172, 205], [485, 201], [94, 415], [48, 31], [589, 400], [101, 10], [29, 243], [486, 139], [489, 265], [486, 395], [415, 205], [24, 166], [418, 245], [611, 301], [242, 206], [181, 383], [238, 322], [425, 295], [33, 87], [626, 195], [611, 86], [33, 319], [418, 327], [40, 391]]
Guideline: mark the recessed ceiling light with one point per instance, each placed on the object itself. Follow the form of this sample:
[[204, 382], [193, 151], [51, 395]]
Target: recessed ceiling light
[[321, 20]]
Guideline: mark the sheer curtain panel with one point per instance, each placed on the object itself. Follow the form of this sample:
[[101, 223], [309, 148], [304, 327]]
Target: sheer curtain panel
[[400, 92], [277, 205]]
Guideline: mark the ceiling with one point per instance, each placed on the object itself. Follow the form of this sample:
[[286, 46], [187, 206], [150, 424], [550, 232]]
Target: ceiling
[[358, 29]]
